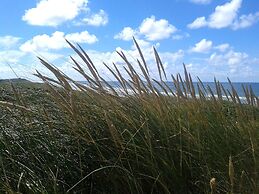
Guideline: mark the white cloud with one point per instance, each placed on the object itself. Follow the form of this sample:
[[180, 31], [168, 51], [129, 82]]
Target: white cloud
[[56, 41], [222, 47], [202, 47], [10, 56], [8, 41], [231, 58], [7, 72], [54, 12], [235, 58], [50, 56], [177, 37], [232, 61], [238, 66], [126, 34], [44, 42], [154, 29], [98, 19], [201, 1], [170, 58], [198, 23], [149, 30], [245, 21], [180, 36], [226, 15], [82, 37]]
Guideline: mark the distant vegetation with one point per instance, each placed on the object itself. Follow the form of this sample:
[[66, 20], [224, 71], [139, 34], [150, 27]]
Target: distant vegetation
[[63, 136], [17, 80]]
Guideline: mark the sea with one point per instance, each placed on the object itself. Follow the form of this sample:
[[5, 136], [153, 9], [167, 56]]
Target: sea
[[227, 86]]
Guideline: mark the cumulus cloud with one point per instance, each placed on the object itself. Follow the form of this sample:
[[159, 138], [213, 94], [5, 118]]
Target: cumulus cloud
[[201, 1], [198, 23], [226, 15], [202, 47], [8, 41], [56, 41], [97, 19], [171, 58], [126, 34], [245, 21], [177, 37], [225, 62], [232, 60], [222, 47], [50, 56], [150, 29], [82, 37], [235, 58], [7, 72], [54, 12], [11, 56], [180, 36], [154, 29]]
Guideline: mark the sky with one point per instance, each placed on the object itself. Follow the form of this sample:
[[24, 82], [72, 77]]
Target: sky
[[214, 38]]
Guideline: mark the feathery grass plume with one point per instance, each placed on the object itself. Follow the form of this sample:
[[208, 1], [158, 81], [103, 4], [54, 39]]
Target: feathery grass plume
[[160, 65], [212, 94], [182, 85], [193, 92], [213, 185], [141, 55], [247, 95], [218, 89], [80, 70], [234, 93], [164, 89], [224, 91], [179, 93], [58, 74], [82, 54], [124, 82], [187, 80], [119, 79], [147, 77]]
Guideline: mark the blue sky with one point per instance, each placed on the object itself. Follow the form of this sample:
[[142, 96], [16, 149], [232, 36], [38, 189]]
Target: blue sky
[[212, 37]]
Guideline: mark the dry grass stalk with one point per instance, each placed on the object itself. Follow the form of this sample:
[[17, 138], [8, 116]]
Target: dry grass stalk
[[231, 174], [213, 185]]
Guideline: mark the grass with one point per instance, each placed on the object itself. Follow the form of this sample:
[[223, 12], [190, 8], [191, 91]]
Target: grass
[[62, 136]]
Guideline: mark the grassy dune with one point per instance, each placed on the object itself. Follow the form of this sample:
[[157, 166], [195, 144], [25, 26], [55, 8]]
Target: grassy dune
[[55, 139]]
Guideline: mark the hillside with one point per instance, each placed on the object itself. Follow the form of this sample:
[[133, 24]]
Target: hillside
[[15, 80]]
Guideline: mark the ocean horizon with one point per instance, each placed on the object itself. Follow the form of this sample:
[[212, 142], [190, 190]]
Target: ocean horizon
[[238, 86]]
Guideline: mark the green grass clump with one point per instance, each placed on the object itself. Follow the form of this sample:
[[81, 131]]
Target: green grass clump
[[67, 137]]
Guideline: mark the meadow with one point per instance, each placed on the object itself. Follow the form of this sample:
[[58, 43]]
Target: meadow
[[62, 136]]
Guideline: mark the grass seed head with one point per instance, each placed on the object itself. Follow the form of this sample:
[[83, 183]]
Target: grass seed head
[[213, 185]]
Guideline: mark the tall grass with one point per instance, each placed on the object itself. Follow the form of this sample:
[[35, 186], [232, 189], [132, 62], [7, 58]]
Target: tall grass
[[95, 139]]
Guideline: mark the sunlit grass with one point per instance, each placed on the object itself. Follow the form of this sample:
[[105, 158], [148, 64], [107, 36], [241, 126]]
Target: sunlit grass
[[71, 137]]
